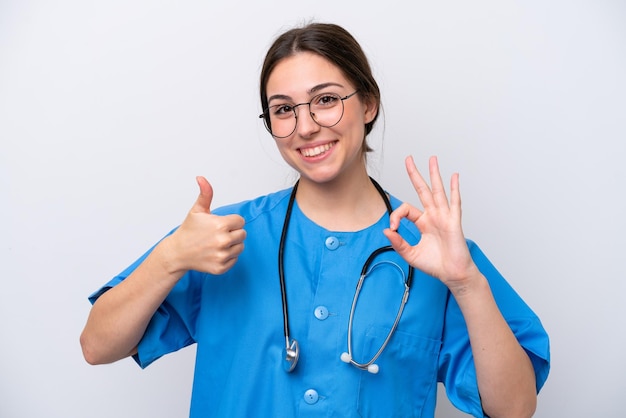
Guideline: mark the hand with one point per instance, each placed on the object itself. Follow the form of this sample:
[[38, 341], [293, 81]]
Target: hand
[[206, 242], [442, 251]]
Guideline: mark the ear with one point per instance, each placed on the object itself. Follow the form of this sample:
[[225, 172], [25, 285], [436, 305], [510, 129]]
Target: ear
[[371, 110]]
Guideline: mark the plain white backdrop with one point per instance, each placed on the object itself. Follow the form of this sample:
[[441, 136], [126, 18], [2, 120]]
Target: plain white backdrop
[[108, 110]]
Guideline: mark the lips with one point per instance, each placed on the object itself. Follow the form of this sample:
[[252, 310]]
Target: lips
[[316, 151]]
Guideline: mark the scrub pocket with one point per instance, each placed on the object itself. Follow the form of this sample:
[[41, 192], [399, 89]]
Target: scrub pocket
[[407, 375]]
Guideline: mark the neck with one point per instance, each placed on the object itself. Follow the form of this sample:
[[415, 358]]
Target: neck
[[349, 204]]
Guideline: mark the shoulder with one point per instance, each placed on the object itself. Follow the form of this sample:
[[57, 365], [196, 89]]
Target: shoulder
[[261, 206]]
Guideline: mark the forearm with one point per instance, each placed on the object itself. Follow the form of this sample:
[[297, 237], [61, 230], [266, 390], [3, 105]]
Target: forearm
[[118, 319], [506, 378]]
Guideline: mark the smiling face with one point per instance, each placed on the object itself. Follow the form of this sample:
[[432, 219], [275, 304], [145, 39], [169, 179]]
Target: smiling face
[[319, 154]]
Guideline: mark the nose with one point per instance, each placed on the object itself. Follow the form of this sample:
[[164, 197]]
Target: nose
[[305, 124]]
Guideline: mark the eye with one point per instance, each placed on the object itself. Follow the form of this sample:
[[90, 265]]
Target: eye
[[282, 110], [326, 100]]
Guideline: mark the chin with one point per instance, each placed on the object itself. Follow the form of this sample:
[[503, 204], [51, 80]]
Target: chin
[[319, 177]]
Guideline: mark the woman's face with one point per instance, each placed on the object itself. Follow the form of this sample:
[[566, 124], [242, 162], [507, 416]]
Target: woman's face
[[319, 154]]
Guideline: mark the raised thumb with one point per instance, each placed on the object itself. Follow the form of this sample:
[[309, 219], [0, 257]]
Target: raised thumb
[[203, 202]]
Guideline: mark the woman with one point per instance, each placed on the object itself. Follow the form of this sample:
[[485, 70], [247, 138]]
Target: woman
[[279, 327]]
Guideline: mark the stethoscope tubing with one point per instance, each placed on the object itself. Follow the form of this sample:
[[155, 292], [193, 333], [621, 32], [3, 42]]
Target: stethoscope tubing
[[292, 350], [405, 298]]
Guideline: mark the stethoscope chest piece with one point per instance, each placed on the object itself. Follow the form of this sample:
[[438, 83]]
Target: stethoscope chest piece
[[291, 354]]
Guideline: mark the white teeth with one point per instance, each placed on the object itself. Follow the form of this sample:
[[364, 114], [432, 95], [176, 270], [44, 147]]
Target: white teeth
[[314, 152]]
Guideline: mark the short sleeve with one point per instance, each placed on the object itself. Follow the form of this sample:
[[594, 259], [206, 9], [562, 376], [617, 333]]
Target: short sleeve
[[172, 327], [456, 364]]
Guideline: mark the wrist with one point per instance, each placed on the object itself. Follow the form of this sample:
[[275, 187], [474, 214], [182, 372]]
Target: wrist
[[472, 282], [168, 258]]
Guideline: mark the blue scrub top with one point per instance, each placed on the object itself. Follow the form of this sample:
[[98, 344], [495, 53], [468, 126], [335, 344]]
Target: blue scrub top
[[236, 321]]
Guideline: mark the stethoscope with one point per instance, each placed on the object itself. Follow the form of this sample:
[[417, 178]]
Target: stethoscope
[[291, 352]]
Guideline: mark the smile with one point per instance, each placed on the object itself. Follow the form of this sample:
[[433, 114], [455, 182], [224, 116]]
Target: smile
[[315, 151]]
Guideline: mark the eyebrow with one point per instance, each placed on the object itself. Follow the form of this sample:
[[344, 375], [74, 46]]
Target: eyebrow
[[312, 90]]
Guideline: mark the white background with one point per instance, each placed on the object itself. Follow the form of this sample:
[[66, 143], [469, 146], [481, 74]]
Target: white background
[[109, 109]]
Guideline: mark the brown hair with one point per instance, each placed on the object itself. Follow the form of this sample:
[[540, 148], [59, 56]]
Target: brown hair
[[336, 45]]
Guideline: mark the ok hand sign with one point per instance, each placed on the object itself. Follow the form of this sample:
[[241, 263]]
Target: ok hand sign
[[442, 251]]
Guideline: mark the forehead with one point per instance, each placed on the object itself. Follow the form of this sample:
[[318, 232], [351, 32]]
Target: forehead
[[299, 73]]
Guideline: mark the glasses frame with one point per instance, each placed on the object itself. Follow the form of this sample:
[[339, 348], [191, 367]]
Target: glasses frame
[[265, 115]]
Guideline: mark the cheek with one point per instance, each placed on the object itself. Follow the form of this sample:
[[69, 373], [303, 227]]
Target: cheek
[[354, 125], [283, 149], [357, 115]]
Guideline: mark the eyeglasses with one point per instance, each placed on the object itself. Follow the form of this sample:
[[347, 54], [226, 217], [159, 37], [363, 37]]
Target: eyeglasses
[[326, 110]]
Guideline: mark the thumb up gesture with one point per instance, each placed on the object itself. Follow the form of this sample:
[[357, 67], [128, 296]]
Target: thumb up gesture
[[207, 242]]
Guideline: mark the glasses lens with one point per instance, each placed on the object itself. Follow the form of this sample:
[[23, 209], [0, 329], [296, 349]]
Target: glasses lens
[[280, 120], [327, 109]]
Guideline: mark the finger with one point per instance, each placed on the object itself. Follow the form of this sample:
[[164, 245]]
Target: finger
[[405, 210], [233, 222], [227, 259], [236, 250], [230, 253], [222, 267], [436, 183], [237, 236], [229, 230], [455, 194], [203, 202], [398, 243], [419, 184], [227, 246]]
